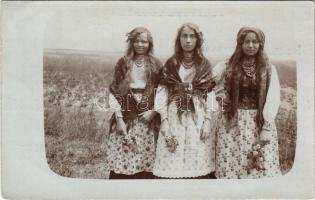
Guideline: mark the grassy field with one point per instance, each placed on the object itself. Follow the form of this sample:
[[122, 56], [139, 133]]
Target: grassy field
[[76, 130]]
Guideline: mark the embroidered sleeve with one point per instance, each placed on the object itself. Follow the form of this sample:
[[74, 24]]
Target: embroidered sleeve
[[219, 73], [160, 101], [211, 105], [114, 105]]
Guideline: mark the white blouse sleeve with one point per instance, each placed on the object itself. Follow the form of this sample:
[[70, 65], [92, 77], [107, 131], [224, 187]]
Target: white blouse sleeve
[[273, 97], [114, 105], [218, 71], [218, 77], [212, 104], [160, 101]]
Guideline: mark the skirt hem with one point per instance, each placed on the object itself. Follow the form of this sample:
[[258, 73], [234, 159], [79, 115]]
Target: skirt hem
[[181, 175]]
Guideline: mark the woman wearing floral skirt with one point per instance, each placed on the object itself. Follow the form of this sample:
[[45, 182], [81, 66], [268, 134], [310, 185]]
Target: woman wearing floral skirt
[[134, 125], [185, 147], [248, 86]]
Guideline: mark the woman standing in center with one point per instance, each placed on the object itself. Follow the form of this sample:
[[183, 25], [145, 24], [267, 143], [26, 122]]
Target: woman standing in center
[[185, 148]]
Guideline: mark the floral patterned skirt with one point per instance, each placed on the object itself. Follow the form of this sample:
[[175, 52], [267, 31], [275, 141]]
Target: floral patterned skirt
[[123, 159], [192, 157], [233, 146]]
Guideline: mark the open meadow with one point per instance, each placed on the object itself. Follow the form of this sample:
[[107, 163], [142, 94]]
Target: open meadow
[[76, 129]]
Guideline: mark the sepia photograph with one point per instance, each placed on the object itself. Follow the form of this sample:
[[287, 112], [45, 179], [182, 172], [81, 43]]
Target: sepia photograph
[[176, 100], [170, 100]]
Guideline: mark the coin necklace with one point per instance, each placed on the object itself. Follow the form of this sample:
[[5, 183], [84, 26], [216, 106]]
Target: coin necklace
[[249, 68], [139, 61]]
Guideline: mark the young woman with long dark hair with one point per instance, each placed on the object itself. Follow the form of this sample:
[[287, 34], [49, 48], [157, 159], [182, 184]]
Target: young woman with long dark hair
[[185, 147], [248, 86]]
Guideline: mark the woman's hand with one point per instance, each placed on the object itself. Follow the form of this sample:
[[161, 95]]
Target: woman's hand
[[205, 130], [265, 134], [170, 140], [130, 142], [147, 116], [171, 143], [121, 126]]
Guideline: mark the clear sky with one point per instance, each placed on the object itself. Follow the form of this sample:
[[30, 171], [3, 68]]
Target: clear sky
[[103, 25]]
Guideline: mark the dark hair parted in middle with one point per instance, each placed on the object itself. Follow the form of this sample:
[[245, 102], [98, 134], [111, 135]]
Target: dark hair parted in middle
[[179, 52]]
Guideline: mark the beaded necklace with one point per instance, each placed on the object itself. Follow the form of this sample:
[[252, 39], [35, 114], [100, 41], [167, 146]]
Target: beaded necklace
[[249, 67], [187, 61]]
